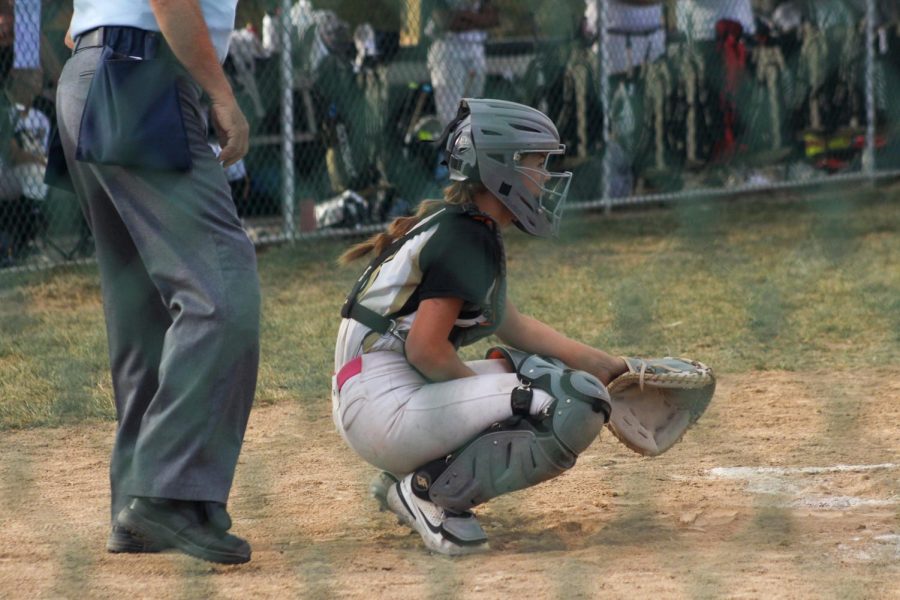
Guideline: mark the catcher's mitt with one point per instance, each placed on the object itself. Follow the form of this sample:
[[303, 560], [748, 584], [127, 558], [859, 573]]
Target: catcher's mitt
[[657, 400]]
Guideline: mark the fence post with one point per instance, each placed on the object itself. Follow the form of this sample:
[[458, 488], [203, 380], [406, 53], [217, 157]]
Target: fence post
[[287, 121], [869, 153], [603, 70]]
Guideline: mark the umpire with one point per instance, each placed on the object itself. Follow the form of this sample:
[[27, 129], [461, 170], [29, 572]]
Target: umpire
[[178, 273]]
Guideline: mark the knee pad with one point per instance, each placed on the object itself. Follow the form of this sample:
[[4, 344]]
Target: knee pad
[[579, 396], [522, 451]]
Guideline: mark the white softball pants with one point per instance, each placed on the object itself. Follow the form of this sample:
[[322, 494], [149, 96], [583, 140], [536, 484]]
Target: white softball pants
[[398, 421]]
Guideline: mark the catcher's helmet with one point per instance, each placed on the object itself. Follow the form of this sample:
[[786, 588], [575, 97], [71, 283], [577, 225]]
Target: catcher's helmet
[[487, 141]]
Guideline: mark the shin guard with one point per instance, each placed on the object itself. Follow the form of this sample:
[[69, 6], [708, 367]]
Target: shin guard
[[522, 451]]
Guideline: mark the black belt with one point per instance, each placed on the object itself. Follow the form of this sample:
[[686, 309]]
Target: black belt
[[89, 39], [647, 32], [95, 38]]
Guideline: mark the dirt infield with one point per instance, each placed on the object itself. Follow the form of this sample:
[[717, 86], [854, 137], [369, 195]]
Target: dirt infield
[[789, 487]]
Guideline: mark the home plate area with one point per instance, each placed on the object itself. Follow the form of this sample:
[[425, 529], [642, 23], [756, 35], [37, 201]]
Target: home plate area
[[866, 495]]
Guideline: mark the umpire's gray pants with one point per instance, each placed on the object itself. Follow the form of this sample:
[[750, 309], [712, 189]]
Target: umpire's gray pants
[[181, 301]]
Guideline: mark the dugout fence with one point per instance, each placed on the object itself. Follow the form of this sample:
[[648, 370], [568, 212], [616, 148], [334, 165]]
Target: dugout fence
[[657, 101]]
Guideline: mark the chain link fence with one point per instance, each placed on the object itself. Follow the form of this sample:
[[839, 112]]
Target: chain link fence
[[655, 101]]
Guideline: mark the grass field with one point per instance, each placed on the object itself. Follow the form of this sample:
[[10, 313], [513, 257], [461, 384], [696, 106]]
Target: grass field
[[786, 488], [755, 283]]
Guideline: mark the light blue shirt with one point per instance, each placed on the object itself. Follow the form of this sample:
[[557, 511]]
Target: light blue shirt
[[90, 14]]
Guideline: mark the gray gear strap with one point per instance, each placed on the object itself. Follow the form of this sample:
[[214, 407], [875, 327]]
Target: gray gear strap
[[520, 400], [551, 375], [522, 452]]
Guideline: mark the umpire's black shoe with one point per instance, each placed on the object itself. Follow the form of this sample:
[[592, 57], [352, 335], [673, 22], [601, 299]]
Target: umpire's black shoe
[[184, 526], [123, 541]]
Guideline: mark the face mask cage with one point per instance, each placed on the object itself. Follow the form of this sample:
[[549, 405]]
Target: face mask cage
[[550, 188]]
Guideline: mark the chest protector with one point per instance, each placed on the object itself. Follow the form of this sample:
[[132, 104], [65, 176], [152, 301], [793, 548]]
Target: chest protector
[[459, 336]]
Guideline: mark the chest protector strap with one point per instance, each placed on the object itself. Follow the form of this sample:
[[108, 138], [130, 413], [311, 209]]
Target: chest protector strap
[[383, 324]]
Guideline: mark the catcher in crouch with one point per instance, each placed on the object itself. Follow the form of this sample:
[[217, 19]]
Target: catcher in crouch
[[448, 434]]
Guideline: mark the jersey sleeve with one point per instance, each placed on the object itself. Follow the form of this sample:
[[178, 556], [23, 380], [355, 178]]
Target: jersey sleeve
[[459, 261]]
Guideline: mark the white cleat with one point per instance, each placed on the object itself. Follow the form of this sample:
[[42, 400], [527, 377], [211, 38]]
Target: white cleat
[[442, 531]]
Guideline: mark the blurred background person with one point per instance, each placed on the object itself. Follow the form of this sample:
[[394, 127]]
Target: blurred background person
[[698, 18], [244, 49], [639, 82], [716, 32], [636, 33], [456, 57], [31, 133], [25, 137]]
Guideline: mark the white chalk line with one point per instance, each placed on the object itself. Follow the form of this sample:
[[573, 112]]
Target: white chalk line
[[838, 502], [778, 481], [784, 483], [879, 547], [751, 472]]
